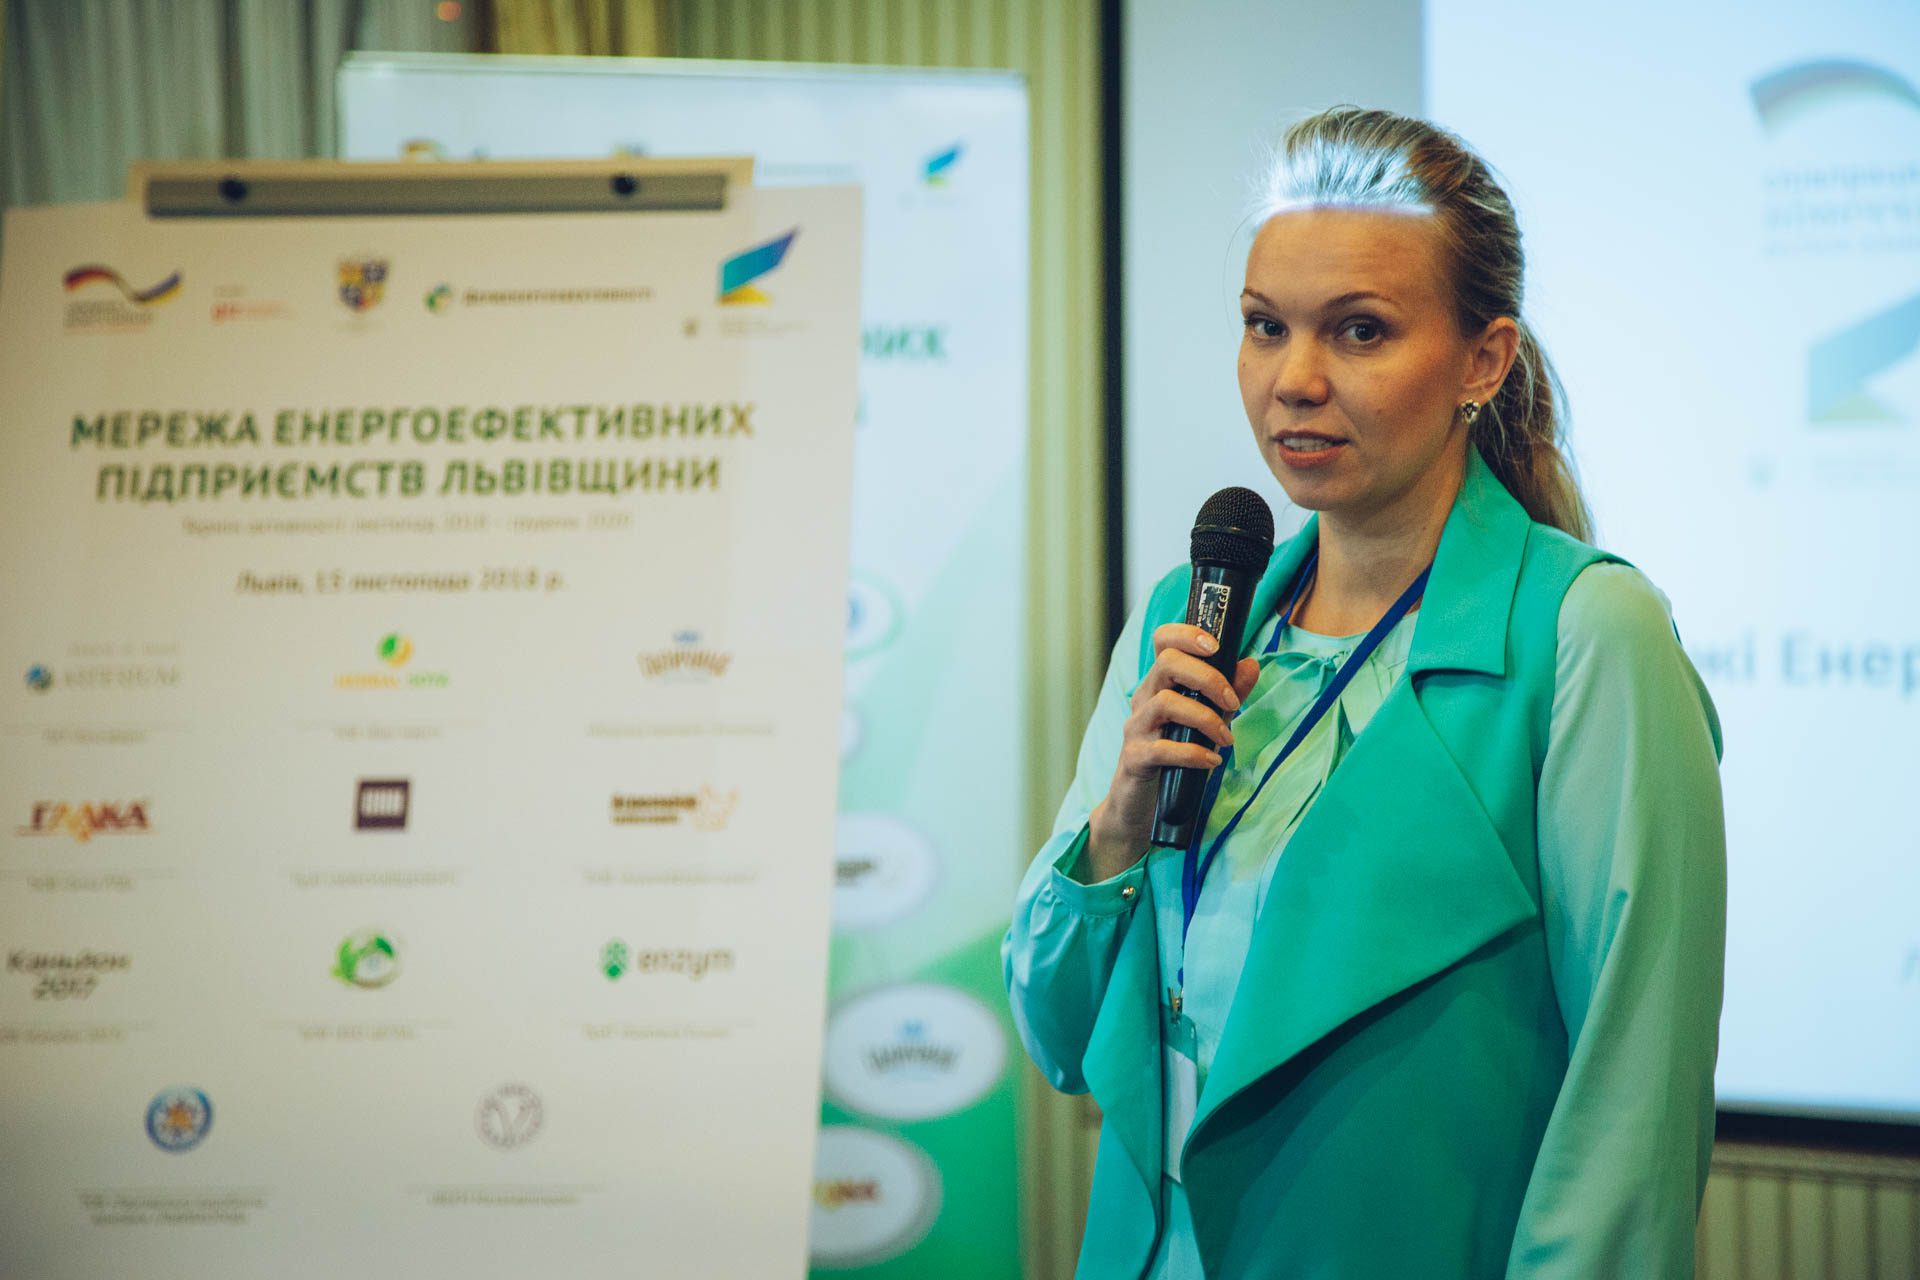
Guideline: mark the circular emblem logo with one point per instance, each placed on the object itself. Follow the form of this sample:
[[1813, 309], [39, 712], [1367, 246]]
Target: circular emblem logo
[[510, 1116], [873, 615], [439, 298], [883, 869], [178, 1118], [395, 649], [874, 1197], [39, 678], [912, 1052], [367, 959]]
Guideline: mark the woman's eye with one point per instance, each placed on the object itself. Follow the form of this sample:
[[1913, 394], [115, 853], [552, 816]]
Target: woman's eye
[[1362, 331], [1261, 327]]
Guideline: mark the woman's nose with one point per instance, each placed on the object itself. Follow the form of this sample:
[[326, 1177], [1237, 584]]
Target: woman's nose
[[1300, 378]]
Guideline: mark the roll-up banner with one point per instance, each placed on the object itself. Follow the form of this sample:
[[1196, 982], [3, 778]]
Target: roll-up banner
[[917, 1160], [423, 641]]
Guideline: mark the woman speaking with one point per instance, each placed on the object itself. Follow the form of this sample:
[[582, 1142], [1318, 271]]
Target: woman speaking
[[1434, 991]]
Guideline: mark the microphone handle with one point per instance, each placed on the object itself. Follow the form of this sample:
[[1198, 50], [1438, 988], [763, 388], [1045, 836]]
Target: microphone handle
[[1217, 602]]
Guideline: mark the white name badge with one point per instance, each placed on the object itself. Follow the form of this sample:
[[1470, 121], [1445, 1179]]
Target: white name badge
[[1182, 1096]]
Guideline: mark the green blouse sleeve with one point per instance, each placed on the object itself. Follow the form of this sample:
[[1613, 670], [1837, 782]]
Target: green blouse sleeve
[[1059, 951], [1633, 894]]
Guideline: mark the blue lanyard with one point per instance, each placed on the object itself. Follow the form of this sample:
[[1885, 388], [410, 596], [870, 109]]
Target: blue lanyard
[[1193, 871]]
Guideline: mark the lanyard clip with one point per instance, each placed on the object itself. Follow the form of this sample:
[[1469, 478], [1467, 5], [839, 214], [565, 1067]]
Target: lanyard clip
[[1175, 1001]]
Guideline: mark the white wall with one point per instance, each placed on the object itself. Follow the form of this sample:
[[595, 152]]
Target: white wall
[[1208, 86]]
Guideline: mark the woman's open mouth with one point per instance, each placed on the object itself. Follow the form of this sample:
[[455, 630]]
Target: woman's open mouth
[[1300, 449]]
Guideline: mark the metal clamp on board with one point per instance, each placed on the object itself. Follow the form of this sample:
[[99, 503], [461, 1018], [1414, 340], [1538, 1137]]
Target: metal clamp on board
[[337, 188]]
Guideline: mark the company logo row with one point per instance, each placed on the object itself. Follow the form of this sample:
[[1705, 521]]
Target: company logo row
[[906, 1052], [380, 805], [179, 1119], [874, 1195], [391, 665], [873, 620], [884, 868]]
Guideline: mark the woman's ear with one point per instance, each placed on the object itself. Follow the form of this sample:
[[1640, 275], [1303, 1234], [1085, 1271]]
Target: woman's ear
[[1489, 355]]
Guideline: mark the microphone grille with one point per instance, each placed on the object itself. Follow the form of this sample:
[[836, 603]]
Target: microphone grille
[[1234, 527]]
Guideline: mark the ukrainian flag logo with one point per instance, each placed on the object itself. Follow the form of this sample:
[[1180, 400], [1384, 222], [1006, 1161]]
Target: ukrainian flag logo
[[940, 166], [738, 273]]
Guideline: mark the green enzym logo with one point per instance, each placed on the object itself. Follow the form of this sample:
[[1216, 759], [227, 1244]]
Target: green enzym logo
[[613, 959], [367, 959]]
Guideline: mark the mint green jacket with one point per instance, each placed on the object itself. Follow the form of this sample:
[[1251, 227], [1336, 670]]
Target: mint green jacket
[[1443, 1059]]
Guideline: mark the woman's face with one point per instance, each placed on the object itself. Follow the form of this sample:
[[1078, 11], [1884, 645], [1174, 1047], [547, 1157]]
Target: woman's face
[[1352, 365]]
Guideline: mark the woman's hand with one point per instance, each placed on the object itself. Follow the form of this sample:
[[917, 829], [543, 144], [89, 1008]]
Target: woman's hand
[[1118, 829]]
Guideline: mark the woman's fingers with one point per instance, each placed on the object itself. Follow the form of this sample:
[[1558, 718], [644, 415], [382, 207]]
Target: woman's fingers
[[1182, 661], [1171, 707], [1147, 756], [1177, 668], [1185, 637]]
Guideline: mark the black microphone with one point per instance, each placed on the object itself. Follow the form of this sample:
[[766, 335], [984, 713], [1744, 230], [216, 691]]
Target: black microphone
[[1232, 542]]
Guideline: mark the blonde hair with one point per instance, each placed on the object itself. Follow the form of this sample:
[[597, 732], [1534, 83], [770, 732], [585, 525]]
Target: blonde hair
[[1355, 158]]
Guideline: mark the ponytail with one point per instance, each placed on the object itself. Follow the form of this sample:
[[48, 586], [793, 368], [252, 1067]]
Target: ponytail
[[1520, 437]]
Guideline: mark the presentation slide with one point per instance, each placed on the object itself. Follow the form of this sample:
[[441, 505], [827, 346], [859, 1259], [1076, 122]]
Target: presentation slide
[[1722, 212]]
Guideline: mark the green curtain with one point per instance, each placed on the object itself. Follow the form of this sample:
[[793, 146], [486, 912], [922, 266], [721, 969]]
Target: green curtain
[[89, 86], [615, 28]]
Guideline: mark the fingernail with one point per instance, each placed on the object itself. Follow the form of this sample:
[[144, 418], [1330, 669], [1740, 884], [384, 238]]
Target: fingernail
[[1216, 761], [1207, 643], [1233, 700]]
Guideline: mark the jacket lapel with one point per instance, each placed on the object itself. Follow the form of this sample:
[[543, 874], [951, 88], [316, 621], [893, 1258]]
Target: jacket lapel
[[1396, 872], [1282, 567], [1122, 1061], [1462, 623]]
